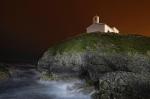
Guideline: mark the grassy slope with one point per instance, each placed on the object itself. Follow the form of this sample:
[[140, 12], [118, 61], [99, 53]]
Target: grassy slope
[[106, 42]]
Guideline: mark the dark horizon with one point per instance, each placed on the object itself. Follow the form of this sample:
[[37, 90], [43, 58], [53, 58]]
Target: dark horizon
[[29, 27]]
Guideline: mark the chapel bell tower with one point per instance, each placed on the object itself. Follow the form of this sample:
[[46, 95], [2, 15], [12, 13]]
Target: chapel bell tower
[[96, 19]]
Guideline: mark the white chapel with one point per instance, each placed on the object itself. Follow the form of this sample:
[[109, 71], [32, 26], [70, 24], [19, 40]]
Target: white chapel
[[100, 27]]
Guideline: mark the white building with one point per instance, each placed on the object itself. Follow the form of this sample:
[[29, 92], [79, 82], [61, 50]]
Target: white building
[[100, 27]]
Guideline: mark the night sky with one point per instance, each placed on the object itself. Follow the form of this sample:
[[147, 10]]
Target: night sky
[[29, 27]]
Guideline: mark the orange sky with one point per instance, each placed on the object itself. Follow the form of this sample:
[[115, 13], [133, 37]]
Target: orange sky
[[31, 26]]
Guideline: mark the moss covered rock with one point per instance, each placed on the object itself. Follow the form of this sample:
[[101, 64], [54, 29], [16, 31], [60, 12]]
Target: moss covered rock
[[4, 73], [101, 58]]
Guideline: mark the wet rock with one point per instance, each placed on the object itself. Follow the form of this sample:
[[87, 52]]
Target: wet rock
[[124, 85]]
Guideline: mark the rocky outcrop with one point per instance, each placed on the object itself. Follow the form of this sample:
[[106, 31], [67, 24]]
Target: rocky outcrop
[[117, 65], [4, 73]]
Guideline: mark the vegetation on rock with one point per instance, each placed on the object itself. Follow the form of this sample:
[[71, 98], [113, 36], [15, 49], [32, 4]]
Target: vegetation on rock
[[4, 73]]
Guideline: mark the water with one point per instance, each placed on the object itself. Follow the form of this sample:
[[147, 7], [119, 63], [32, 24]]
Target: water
[[37, 89]]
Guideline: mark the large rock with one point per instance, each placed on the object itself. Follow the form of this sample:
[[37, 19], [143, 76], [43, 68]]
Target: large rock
[[108, 52], [100, 57]]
